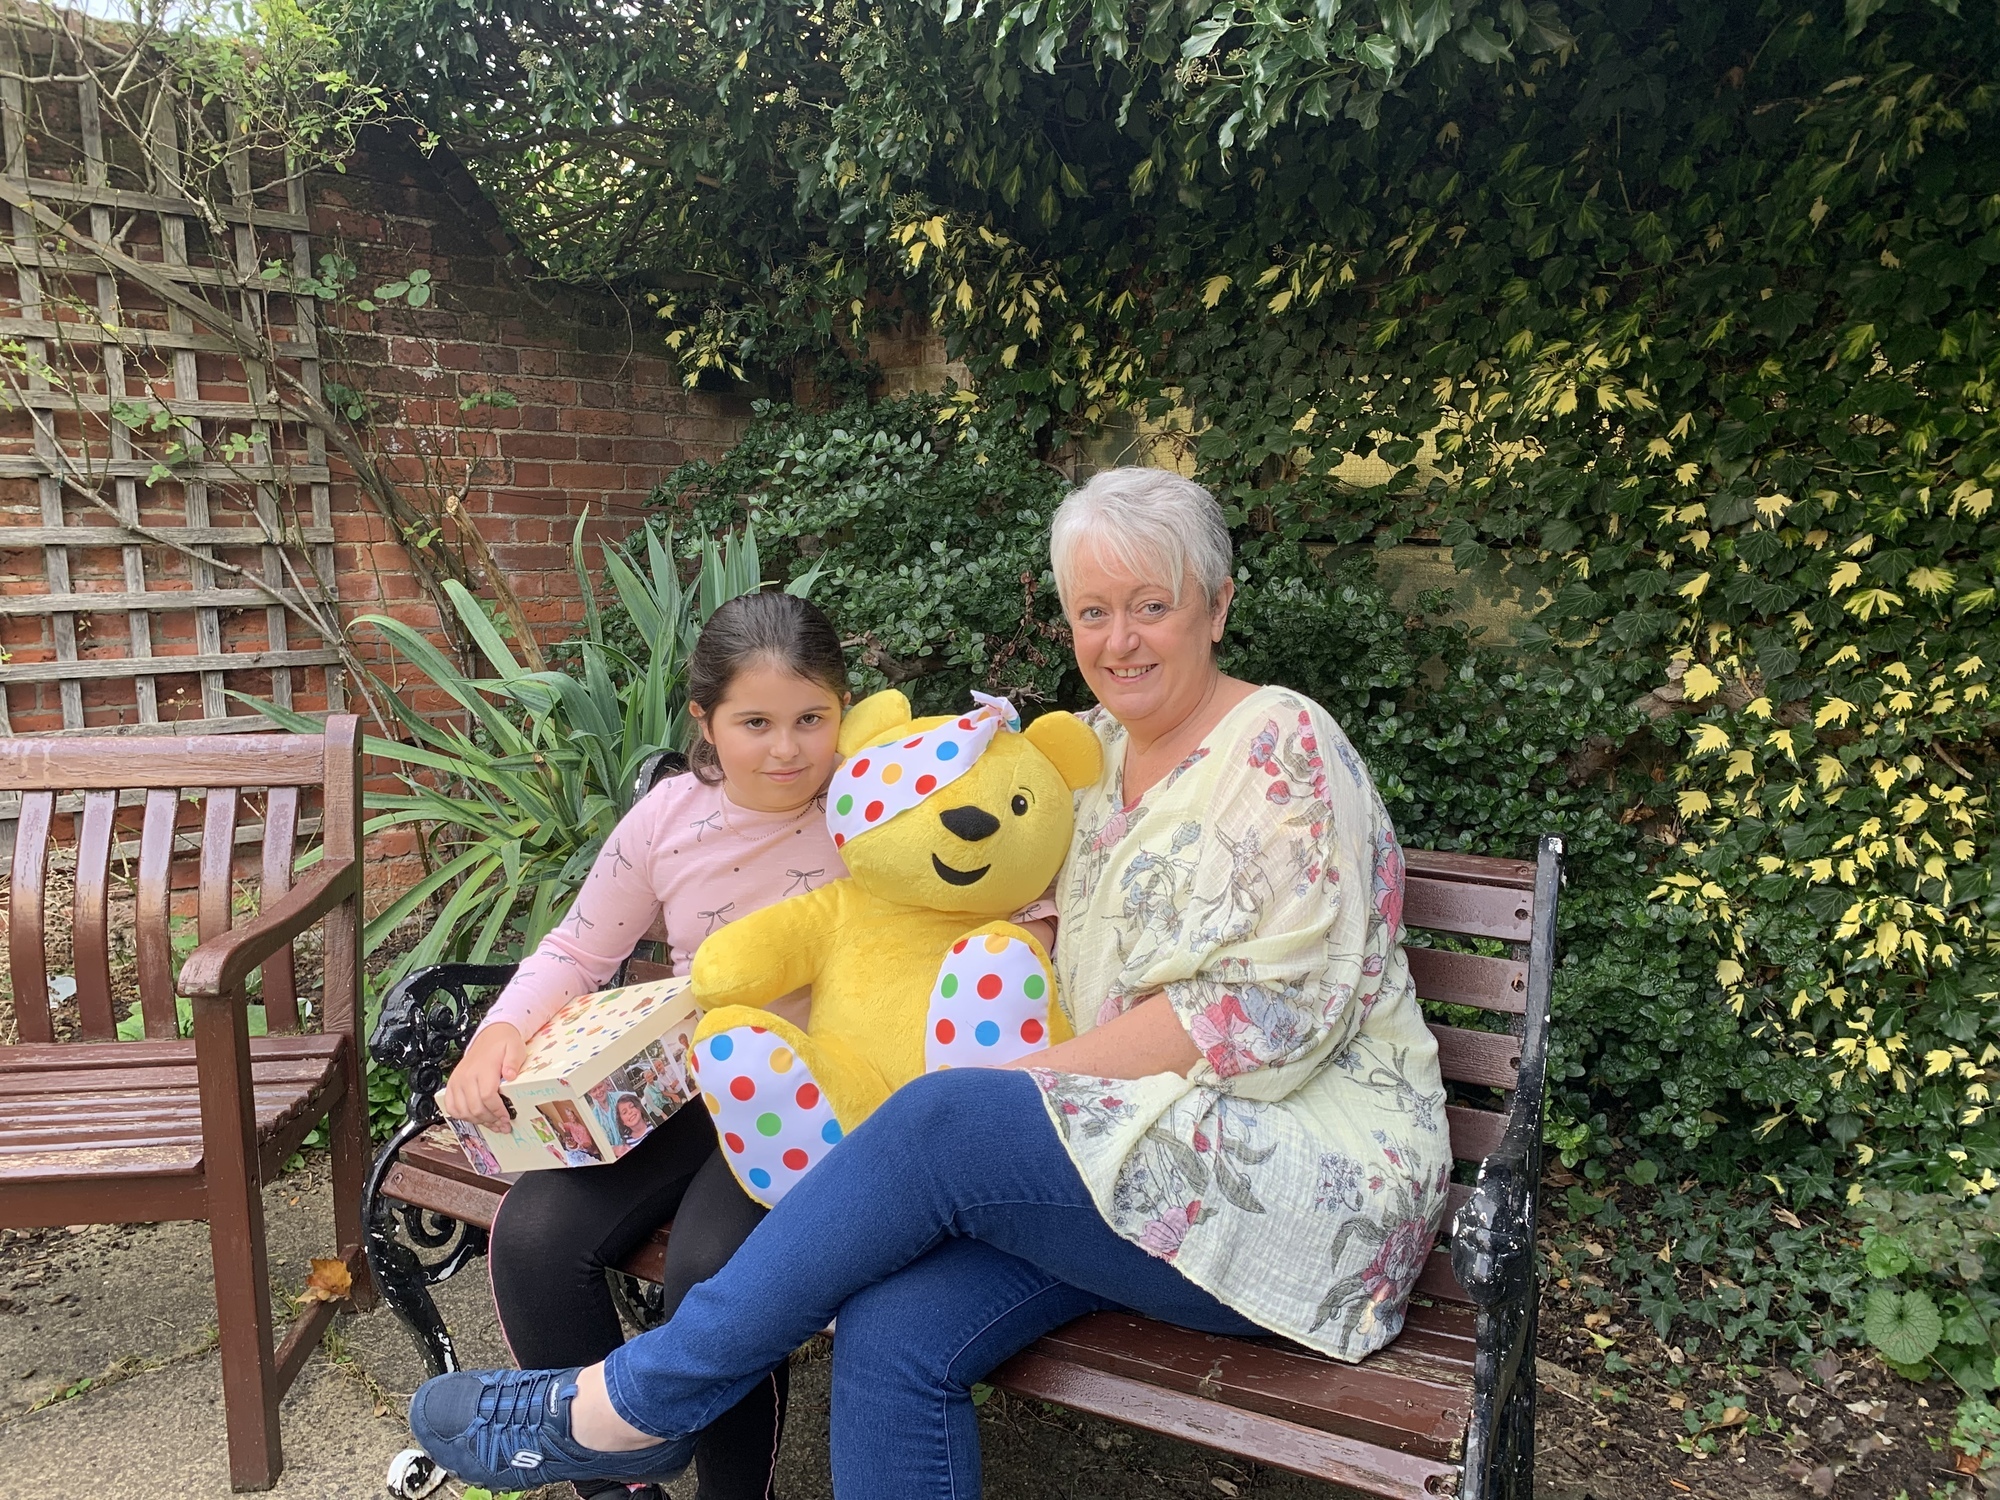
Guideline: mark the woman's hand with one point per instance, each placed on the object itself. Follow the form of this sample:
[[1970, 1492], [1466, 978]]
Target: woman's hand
[[1145, 1040], [473, 1090]]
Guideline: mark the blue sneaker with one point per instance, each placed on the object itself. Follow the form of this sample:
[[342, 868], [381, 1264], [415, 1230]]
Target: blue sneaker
[[509, 1430]]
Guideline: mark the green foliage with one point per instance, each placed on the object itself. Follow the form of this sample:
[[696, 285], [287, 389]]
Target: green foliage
[[514, 790], [1975, 1430], [1934, 1297], [1703, 1263], [928, 533], [1681, 331]]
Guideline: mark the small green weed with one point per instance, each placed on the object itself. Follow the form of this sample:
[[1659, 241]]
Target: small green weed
[[64, 1393]]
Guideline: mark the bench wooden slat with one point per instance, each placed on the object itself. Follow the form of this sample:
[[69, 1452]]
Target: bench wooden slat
[[90, 931], [1439, 1280], [128, 1081], [1479, 869], [467, 1202], [92, 1056], [159, 1147], [1474, 1133], [1286, 1445], [246, 760], [1492, 1058], [1412, 1412], [1467, 910], [154, 938], [1469, 979]]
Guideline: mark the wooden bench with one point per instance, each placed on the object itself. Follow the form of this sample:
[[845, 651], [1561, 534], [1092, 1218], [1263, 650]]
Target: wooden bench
[[99, 1131], [1448, 1409]]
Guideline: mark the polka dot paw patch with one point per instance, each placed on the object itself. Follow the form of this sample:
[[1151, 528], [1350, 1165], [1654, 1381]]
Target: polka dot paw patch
[[990, 1004], [773, 1120]]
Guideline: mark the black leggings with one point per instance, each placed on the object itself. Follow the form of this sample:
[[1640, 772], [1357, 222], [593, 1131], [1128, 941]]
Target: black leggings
[[558, 1231]]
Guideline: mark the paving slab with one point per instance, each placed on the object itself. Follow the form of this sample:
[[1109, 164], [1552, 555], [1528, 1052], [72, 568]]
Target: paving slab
[[130, 1309]]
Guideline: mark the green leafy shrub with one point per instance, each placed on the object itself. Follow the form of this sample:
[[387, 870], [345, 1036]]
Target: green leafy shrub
[[514, 793], [927, 529]]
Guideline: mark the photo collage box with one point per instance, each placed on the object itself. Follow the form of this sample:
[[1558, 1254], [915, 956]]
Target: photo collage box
[[605, 1070]]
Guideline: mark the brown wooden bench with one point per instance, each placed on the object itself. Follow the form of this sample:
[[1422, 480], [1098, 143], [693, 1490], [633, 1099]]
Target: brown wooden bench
[[1448, 1409], [99, 1131]]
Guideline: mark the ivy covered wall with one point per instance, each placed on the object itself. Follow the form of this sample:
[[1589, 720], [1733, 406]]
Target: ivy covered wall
[[1678, 314]]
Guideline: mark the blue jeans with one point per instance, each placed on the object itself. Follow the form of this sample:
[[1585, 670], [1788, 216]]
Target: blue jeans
[[948, 1231]]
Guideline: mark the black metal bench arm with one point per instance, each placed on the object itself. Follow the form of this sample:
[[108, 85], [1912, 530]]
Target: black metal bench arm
[[426, 1022], [1493, 1240]]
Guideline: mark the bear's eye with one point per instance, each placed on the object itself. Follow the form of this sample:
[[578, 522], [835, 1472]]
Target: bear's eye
[[1020, 805]]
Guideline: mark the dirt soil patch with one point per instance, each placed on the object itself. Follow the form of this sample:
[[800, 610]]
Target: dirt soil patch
[[1843, 1427]]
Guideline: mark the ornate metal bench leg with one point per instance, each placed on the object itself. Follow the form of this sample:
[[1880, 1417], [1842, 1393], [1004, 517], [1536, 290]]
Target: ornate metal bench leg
[[1517, 1423], [404, 1284]]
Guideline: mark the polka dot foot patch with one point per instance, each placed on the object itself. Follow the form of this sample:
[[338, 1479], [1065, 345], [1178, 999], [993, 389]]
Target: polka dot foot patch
[[773, 1119], [990, 1004]]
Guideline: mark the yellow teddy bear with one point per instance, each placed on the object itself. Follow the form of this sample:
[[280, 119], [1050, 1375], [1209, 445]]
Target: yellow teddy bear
[[945, 825]]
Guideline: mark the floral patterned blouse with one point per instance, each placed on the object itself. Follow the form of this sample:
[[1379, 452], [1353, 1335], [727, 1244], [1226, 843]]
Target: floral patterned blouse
[[1299, 1172]]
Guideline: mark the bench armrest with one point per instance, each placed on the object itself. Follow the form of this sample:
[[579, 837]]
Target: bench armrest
[[426, 1021], [1493, 1237], [219, 967]]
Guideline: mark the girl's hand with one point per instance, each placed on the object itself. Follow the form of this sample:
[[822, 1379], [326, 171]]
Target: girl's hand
[[473, 1090]]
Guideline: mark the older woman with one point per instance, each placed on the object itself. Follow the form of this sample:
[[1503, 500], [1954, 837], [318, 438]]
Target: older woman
[[1246, 1135]]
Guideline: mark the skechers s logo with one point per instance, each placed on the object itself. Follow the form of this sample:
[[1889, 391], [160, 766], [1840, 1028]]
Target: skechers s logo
[[527, 1458]]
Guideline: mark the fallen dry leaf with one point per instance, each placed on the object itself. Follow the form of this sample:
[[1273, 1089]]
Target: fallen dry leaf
[[1787, 1383], [1597, 1319], [1967, 1463], [1826, 1365], [1820, 1481], [1677, 1403], [1684, 1488], [1225, 1486], [330, 1281], [1786, 1217]]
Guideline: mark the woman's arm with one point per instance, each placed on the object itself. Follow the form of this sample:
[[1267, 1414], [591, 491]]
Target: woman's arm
[[1145, 1040]]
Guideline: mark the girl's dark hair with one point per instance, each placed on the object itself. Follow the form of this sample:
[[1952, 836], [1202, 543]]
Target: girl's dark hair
[[787, 631]]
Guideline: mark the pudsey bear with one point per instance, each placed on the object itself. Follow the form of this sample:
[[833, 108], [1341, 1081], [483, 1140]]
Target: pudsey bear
[[947, 826]]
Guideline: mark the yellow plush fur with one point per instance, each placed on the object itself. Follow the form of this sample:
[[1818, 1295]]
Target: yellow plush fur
[[870, 946]]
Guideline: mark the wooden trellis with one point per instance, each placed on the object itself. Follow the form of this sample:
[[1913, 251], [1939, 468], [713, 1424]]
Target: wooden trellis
[[141, 582]]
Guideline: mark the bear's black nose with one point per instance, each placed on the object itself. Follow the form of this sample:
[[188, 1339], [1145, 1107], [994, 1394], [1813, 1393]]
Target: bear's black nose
[[970, 823]]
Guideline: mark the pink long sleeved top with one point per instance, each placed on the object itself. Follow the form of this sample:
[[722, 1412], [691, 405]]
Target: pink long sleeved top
[[685, 852]]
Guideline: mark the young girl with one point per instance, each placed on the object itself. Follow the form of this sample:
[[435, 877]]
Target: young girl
[[745, 828]]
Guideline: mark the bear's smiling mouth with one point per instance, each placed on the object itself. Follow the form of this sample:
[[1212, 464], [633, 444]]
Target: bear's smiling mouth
[[958, 877]]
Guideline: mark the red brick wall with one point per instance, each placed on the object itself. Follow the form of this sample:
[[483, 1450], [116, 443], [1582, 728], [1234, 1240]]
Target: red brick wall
[[602, 415]]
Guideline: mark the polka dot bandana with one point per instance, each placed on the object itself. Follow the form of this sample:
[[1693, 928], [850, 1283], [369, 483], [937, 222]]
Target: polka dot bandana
[[875, 784]]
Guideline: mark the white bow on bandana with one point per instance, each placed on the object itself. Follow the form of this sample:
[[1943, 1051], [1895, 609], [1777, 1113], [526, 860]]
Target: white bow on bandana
[[883, 780]]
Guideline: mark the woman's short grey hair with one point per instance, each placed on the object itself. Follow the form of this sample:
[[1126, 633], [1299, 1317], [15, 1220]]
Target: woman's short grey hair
[[1151, 523]]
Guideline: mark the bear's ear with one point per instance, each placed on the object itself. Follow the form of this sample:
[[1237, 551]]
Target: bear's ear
[[1070, 747], [874, 715]]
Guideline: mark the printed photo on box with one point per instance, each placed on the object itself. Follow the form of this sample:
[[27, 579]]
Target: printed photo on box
[[571, 1131]]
